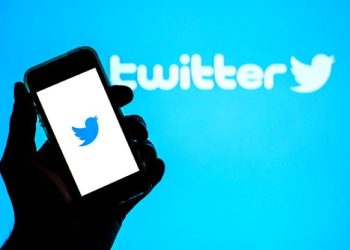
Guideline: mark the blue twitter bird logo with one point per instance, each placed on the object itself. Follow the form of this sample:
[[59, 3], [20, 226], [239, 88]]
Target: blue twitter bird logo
[[89, 133]]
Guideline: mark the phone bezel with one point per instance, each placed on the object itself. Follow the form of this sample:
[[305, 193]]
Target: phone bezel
[[62, 68]]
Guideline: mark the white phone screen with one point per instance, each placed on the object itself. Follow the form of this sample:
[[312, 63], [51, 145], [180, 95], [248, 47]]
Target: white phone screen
[[87, 131]]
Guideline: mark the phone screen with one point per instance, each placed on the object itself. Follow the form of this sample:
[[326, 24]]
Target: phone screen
[[88, 131]]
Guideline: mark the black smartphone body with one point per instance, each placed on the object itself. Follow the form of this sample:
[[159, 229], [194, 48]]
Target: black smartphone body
[[70, 97]]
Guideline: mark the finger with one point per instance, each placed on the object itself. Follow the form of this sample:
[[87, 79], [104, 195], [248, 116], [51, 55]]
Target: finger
[[155, 171], [136, 127], [154, 174], [21, 139], [120, 95], [50, 156], [146, 151]]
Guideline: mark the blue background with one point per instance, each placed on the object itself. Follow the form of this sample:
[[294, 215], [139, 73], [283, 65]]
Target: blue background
[[259, 169]]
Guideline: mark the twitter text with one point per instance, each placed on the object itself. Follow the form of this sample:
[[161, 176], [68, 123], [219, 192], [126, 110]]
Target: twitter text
[[190, 71]]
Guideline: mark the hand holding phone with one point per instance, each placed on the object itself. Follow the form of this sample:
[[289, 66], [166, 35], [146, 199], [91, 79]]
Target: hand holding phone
[[48, 212], [70, 96]]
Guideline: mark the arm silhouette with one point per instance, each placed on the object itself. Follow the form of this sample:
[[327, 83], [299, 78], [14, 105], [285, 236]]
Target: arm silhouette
[[45, 216]]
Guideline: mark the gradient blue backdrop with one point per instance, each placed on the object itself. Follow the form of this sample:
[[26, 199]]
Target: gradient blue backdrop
[[245, 169]]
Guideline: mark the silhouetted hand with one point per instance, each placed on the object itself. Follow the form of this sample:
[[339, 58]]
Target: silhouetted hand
[[45, 215]]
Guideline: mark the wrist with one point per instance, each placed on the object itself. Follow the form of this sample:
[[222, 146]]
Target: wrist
[[24, 238]]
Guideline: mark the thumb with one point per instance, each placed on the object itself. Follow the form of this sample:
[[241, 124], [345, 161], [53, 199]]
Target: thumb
[[21, 139]]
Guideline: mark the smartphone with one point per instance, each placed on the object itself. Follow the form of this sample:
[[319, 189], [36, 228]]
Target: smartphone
[[70, 97]]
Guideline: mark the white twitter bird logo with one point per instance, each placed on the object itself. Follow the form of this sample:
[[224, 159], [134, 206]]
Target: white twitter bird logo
[[312, 77]]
